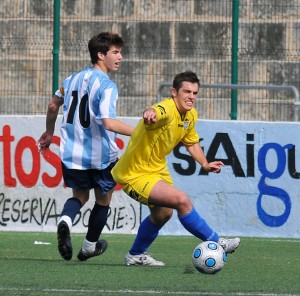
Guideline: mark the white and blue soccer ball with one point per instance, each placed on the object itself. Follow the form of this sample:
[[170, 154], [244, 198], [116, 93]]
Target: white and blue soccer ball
[[209, 257]]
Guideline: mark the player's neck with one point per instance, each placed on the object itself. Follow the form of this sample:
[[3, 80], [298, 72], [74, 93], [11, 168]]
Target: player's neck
[[101, 67], [182, 113]]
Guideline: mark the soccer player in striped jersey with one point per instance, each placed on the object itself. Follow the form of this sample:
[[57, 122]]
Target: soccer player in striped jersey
[[88, 150], [143, 174]]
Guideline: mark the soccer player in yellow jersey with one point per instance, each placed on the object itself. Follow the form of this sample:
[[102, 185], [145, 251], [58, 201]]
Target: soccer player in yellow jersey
[[143, 173]]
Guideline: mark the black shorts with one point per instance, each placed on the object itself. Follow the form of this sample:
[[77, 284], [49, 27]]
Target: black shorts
[[88, 179]]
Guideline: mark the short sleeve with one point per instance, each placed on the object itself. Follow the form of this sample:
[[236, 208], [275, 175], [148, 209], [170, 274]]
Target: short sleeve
[[191, 137]]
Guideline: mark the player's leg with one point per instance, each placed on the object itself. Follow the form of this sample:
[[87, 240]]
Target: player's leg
[[98, 216], [93, 246], [148, 229], [169, 196], [104, 186], [71, 208], [147, 233]]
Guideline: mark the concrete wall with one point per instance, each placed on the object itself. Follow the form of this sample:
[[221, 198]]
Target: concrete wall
[[162, 38], [256, 194]]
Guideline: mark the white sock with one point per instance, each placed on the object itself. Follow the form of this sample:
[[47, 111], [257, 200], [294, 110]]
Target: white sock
[[68, 220], [88, 247]]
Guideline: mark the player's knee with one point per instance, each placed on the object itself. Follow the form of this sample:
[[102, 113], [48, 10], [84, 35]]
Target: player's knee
[[183, 202], [162, 217]]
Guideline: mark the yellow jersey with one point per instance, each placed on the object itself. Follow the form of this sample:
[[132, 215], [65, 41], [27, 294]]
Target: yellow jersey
[[151, 143]]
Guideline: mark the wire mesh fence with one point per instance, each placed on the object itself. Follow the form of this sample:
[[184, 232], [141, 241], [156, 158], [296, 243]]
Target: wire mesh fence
[[162, 39]]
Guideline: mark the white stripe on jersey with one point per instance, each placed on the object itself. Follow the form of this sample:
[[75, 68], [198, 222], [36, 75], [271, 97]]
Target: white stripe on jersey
[[106, 103]]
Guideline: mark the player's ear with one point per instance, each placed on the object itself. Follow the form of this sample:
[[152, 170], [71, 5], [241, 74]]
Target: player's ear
[[101, 56], [174, 92]]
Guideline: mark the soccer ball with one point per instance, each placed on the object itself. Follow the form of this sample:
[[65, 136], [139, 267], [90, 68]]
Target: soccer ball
[[209, 257]]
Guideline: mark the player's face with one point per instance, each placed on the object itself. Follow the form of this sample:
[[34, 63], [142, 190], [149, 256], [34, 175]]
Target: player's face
[[112, 59], [186, 96]]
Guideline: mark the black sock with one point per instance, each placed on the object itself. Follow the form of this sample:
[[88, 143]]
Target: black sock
[[97, 221], [71, 208]]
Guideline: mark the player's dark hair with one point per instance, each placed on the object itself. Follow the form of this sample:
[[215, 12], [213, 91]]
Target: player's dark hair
[[188, 76], [102, 43]]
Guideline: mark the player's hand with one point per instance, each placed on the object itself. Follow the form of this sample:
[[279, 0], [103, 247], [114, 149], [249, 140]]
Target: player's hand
[[149, 116], [44, 142], [214, 166]]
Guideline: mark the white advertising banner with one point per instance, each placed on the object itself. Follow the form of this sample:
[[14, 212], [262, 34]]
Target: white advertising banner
[[256, 194], [32, 192]]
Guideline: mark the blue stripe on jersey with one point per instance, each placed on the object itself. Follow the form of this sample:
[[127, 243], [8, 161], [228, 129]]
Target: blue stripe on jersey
[[67, 156]]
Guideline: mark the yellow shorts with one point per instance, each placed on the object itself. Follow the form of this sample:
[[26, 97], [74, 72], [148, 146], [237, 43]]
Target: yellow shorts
[[139, 189]]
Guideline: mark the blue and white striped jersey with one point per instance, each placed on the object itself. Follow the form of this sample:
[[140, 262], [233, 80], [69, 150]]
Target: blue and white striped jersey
[[89, 96]]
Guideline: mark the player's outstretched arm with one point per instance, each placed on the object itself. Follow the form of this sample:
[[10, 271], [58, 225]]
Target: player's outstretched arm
[[197, 153], [117, 126]]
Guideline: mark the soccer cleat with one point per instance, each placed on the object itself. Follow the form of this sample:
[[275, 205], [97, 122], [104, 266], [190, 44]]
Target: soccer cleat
[[100, 248], [229, 244], [142, 259], [64, 240]]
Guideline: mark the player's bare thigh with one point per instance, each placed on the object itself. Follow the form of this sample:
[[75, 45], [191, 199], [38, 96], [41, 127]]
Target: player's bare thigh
[[165, 195]]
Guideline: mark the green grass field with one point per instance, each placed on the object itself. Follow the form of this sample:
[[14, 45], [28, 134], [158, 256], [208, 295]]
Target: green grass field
[[259, 267]]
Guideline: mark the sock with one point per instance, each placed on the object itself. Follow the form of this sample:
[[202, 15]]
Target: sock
[[147, 233], [66, 219], [97, 221], [88, 247], [197, 226], [71, 208]]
